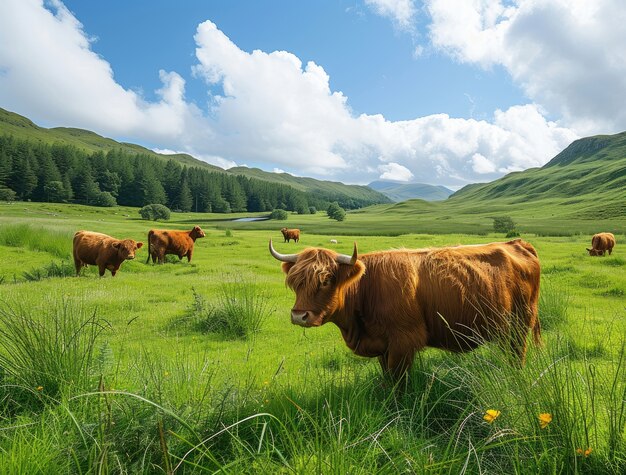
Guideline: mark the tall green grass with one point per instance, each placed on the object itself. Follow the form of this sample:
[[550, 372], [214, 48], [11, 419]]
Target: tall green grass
[[48, 348], [37, 238], [239, 311]]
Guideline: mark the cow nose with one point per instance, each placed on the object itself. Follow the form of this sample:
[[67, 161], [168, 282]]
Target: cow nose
[[299, 317], [131, 257]]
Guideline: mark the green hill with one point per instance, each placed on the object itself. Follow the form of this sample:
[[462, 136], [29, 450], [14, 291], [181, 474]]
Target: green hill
[[24, 129], [590, 174], [311, 184]]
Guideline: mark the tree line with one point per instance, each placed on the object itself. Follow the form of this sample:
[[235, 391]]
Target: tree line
[[63, 173]]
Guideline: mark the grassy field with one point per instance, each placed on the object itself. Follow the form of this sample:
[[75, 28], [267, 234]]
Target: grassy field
[[160, 369]]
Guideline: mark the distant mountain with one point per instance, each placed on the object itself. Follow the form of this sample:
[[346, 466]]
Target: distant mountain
[[351, 196], [399, 191]]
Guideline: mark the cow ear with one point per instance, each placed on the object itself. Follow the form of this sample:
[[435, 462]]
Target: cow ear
[[287, 266], [346, 274], [139, 245], [116, 244]]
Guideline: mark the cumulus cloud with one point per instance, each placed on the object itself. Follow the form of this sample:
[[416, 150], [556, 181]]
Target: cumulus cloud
[[394, 171], [274, 111], [567, 55]]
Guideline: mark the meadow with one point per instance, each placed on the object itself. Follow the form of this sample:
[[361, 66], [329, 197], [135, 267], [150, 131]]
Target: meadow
[[195, 367]]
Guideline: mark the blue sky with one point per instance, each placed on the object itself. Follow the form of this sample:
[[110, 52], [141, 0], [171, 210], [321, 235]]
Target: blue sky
[[435, 91], [365, 56]]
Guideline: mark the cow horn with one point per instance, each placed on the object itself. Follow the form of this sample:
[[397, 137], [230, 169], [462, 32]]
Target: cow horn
[[282, 257], [348, 260]]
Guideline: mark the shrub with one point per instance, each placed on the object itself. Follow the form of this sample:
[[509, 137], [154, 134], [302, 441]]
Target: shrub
[[104, 199], [336, 212], [512, 234], [279, 214], [312, 210], [155, 212], [7, 194], [503, 224]]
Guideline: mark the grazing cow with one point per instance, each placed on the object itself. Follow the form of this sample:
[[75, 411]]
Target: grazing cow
[[103, 251], [600, 243], [162, 242], [333, 241], [391, 304], [290, 234]]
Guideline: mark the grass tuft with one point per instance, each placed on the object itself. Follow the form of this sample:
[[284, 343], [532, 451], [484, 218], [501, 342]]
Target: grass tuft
[[61, 269], [49, 348], [241, 309]]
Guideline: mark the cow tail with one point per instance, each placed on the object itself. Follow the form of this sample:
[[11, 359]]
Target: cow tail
[[149, 253]]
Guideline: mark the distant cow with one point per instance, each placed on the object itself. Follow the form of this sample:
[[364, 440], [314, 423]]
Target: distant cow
[[290, 234], [600, 243], [333, 241], [162, 242], [103, 251], [391, 304]]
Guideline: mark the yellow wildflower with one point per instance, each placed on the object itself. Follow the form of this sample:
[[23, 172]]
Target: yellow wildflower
[[166, 374], [491, 415], [584, 452], [39, 388], [544, 419]]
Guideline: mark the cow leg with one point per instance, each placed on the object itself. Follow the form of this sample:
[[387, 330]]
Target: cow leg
[[396, 364], [382, 360], [78, 264], [189, 255], [101, 269], [154, 257], [610, 250]]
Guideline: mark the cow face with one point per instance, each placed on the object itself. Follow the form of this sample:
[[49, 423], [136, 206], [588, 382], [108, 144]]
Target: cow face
[[319, 278], [595, 252], [198, 232], [126, 248]]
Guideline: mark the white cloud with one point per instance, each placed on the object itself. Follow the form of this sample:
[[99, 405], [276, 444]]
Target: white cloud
[[482, 164], [394, 171], [401, 12], [567, 55], [275, 111]]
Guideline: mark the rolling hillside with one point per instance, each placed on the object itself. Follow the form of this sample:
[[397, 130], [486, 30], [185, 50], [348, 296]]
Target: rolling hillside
[[24, 129], [590, 173], [397, 191]]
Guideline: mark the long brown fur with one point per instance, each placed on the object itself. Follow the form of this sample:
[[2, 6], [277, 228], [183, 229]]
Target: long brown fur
[[290, 234], [180, 243], [104, 251], [394, 303], [600, 243]]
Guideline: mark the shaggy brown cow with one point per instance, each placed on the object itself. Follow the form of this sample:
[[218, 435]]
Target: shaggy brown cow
[[290, 234], [390, 304], [162, 242], [600, 243], [103, 251]]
